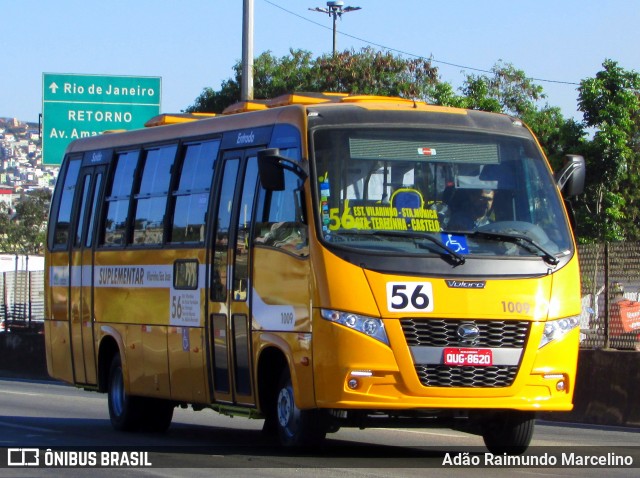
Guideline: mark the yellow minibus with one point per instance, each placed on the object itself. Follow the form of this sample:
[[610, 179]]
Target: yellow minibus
[[318, 261]]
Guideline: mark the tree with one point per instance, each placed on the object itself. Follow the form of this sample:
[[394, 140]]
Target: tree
[[24, 228], [371, 72], [610, 104], [509, 90], [478, 95], [272, 77], [557, 135], [366, 72]]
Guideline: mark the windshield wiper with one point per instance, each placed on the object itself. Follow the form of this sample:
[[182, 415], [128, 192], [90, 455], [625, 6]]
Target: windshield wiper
[[518, 239], [459, 259]]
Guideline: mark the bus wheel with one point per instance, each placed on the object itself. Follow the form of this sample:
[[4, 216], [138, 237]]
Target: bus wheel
[[508, 432], [123, 408], [296, 427], [155, 414]]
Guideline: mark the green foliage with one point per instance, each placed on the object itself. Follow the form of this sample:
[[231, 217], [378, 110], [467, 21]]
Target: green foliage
[[557, 136], [272, 77], [479, 95], [371, 72], [507, 90], [367, 72], [610, 103], [442, 93], [23, 229]]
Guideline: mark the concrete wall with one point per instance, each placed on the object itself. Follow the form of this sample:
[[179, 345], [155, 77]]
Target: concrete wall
[[607, 390], [22, 355]]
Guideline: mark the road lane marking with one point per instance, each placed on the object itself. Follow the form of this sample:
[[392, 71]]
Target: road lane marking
[[423, 432], [26, 427], [9, 392]]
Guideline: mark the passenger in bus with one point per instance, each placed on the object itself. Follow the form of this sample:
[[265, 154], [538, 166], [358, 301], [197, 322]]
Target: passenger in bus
[[474, 211], [290, 236]]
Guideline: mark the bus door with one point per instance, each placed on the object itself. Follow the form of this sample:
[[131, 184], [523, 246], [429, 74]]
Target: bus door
[[82, 317], [230, 319]]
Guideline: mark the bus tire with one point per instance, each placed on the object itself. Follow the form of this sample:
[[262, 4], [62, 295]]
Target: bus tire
[[508, 432], [124, 409], [155, 414], [296, 427]]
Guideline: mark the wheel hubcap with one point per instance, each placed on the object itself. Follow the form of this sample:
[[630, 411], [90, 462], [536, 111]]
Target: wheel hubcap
[[285, 407], [117, 393]]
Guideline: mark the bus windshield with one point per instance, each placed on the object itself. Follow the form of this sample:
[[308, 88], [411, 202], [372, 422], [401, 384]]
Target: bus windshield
[[422, 191]]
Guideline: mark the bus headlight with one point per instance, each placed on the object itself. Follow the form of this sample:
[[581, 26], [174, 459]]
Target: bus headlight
[[556, 329], [370, 326]]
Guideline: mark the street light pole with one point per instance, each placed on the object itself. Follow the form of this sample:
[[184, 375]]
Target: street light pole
[[246, 90], [335, 9]]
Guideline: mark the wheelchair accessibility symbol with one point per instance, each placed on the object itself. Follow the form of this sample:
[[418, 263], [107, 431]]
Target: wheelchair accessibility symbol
[[456, 243]]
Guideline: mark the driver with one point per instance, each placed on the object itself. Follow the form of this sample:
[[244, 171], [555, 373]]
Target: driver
[[475, 211]]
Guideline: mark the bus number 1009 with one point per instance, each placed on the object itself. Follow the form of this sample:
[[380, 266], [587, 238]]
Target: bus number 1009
[[516, 307]]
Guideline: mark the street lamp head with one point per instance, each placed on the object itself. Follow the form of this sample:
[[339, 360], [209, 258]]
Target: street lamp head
[[335, 9]]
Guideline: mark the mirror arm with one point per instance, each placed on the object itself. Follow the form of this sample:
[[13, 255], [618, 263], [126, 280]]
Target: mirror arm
[[286, 163]]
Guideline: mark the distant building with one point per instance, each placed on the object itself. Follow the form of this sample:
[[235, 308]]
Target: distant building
[[21, 165], [7, 196]]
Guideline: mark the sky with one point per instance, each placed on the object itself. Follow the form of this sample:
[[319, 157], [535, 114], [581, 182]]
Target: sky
[[193, 44]]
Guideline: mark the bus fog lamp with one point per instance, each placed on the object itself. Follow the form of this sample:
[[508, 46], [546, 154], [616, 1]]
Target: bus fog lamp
[[561, 384], [352, 383]]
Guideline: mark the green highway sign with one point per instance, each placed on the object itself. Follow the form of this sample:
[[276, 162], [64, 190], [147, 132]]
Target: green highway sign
[[78, 106]]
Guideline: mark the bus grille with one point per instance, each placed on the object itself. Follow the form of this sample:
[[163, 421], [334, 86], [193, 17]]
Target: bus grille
[[443, 333], [466, 377]]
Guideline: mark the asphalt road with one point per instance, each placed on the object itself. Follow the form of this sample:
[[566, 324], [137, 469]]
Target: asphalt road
[[74, 426]]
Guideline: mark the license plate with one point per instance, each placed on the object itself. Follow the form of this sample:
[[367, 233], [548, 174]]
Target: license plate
[[468, 357]]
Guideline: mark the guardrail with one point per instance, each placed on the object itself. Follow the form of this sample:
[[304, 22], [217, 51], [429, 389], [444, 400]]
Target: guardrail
[[21, 300]]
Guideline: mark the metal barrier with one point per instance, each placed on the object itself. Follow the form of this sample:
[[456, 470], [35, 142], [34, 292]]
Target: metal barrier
[[21, 300], [610, 295]]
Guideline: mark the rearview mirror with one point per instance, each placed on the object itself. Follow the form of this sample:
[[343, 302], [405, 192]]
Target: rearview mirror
[[269, 169], [571, 177]]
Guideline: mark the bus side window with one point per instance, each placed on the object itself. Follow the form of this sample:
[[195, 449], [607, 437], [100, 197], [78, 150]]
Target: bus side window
[[192, 196], [280, 218], [241, 257], [86, 189], [114, 233], [151, 200], [63, 219]]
